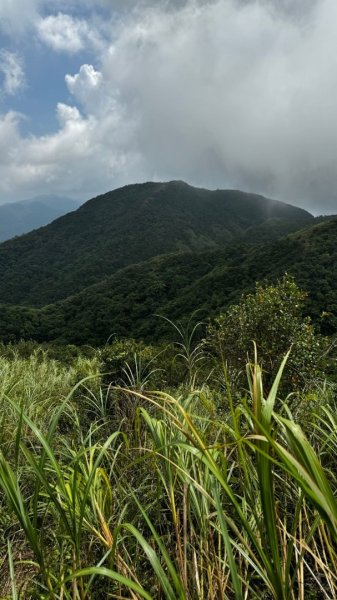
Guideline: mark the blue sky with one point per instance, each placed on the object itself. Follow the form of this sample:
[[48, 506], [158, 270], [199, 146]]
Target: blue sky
[[95, 94]]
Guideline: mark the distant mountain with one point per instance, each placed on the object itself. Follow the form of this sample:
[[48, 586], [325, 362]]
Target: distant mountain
[[17, 218], [131, 225]]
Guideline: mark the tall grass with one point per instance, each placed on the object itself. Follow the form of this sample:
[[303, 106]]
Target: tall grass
[[188, 505]]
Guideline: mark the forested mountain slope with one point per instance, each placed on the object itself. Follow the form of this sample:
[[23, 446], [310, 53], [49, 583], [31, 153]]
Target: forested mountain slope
[[175, 285], [131, 225]]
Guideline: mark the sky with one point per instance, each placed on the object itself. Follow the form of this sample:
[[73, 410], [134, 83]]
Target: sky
[[96, 94]]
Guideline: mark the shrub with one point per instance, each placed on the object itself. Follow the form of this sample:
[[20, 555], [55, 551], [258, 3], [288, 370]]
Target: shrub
[[272, 317]]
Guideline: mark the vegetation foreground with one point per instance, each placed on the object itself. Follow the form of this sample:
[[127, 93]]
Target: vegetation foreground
[[208, 488]]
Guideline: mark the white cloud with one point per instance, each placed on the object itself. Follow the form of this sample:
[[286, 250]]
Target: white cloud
[[62, 32], [223, 93], [12, 71], [86, 155], [67, 115], [87, 78], [86, 87], [18, 15]]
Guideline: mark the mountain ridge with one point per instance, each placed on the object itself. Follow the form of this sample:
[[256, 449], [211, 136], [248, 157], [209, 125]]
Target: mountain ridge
[[127, 226], [18, 218], [163, 248]]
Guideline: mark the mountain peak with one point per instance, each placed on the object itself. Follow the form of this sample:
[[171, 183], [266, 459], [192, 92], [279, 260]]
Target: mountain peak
[[130, 225]]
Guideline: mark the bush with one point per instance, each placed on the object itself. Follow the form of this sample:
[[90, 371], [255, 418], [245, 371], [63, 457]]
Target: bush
[[273, 318]]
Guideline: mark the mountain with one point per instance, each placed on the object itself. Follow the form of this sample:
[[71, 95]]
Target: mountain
[[17, 218], [131, 225], [175, 285]]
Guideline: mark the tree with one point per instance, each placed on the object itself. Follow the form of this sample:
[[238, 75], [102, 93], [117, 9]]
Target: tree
[[272, 317]]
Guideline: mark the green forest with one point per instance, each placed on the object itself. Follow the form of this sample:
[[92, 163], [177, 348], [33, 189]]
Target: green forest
[[175, 285], [122, 258], [168, 401]]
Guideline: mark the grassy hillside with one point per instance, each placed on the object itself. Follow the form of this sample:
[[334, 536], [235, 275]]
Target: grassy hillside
[[175, 285], [199, 490], [131, 225]]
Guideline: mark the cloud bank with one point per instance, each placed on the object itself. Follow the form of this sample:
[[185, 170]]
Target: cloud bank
[[221, 94]]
